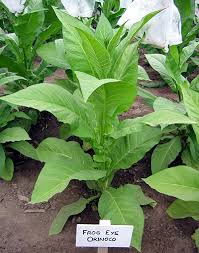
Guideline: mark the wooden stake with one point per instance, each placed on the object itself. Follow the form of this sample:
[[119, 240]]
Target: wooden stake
[[104, 223]]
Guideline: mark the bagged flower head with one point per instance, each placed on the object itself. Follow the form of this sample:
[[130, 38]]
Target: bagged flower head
[[14, 6], [197, 8], [162, 30], [125, 3], [80, 8]]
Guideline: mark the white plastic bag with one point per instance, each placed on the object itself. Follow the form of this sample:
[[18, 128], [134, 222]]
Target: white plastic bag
[[14, 6], [80, 8], [125, 3], [162, 30], [197, 8]]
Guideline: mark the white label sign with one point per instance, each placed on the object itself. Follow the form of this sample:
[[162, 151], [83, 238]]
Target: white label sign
[[100, 236]]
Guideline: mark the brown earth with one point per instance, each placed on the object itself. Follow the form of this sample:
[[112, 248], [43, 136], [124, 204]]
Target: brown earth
[[24, 227]]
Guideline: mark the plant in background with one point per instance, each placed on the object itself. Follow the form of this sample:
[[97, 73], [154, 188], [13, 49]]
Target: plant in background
[[30, 29], [182, 181], [104, 68], [14, 125], [173, 67]]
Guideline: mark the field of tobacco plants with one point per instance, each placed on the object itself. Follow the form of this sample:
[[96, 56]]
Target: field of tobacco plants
[[99, 120]]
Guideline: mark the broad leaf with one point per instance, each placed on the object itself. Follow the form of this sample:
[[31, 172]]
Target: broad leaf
[[104, 31], [130, 149], [126, 127], [109, 98], [137, 193], [180, 209], [52, 148], [86, 53], [158, 63], [59, 170], [26, 28], [123, 209], [127, 68], [68, 20], [181, 182], [54, 99], [53, 53], [13, 134], [65, 213], [165, 104], [166, 117], [165, 154]]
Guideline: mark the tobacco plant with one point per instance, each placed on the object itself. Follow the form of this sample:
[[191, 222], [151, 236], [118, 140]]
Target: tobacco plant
[[104, 66], [180, 181], [13, 127], [174, 65], [30, 29]]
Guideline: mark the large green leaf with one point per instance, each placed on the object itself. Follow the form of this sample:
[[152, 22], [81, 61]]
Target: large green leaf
[[165, 104], [60, 169], [166, 117], [68, 20], [89, 84], [13, 134], [54, 99], [53, 53], [122, 208], [127, 68], [52, 148], [130, 149], [27, 28], [181, 182], [164, 154], [127, 127], [158, 63], [25, 148], [8, 170], [191, 101], [180, 209], [104, 30], [65, 213], [137, 193], [86, 53], [109, 98]]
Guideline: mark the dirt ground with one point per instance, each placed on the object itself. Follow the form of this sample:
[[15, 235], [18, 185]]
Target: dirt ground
[[24, 227]]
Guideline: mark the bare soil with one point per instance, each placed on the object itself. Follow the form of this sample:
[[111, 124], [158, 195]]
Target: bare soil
[[24, 227]]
